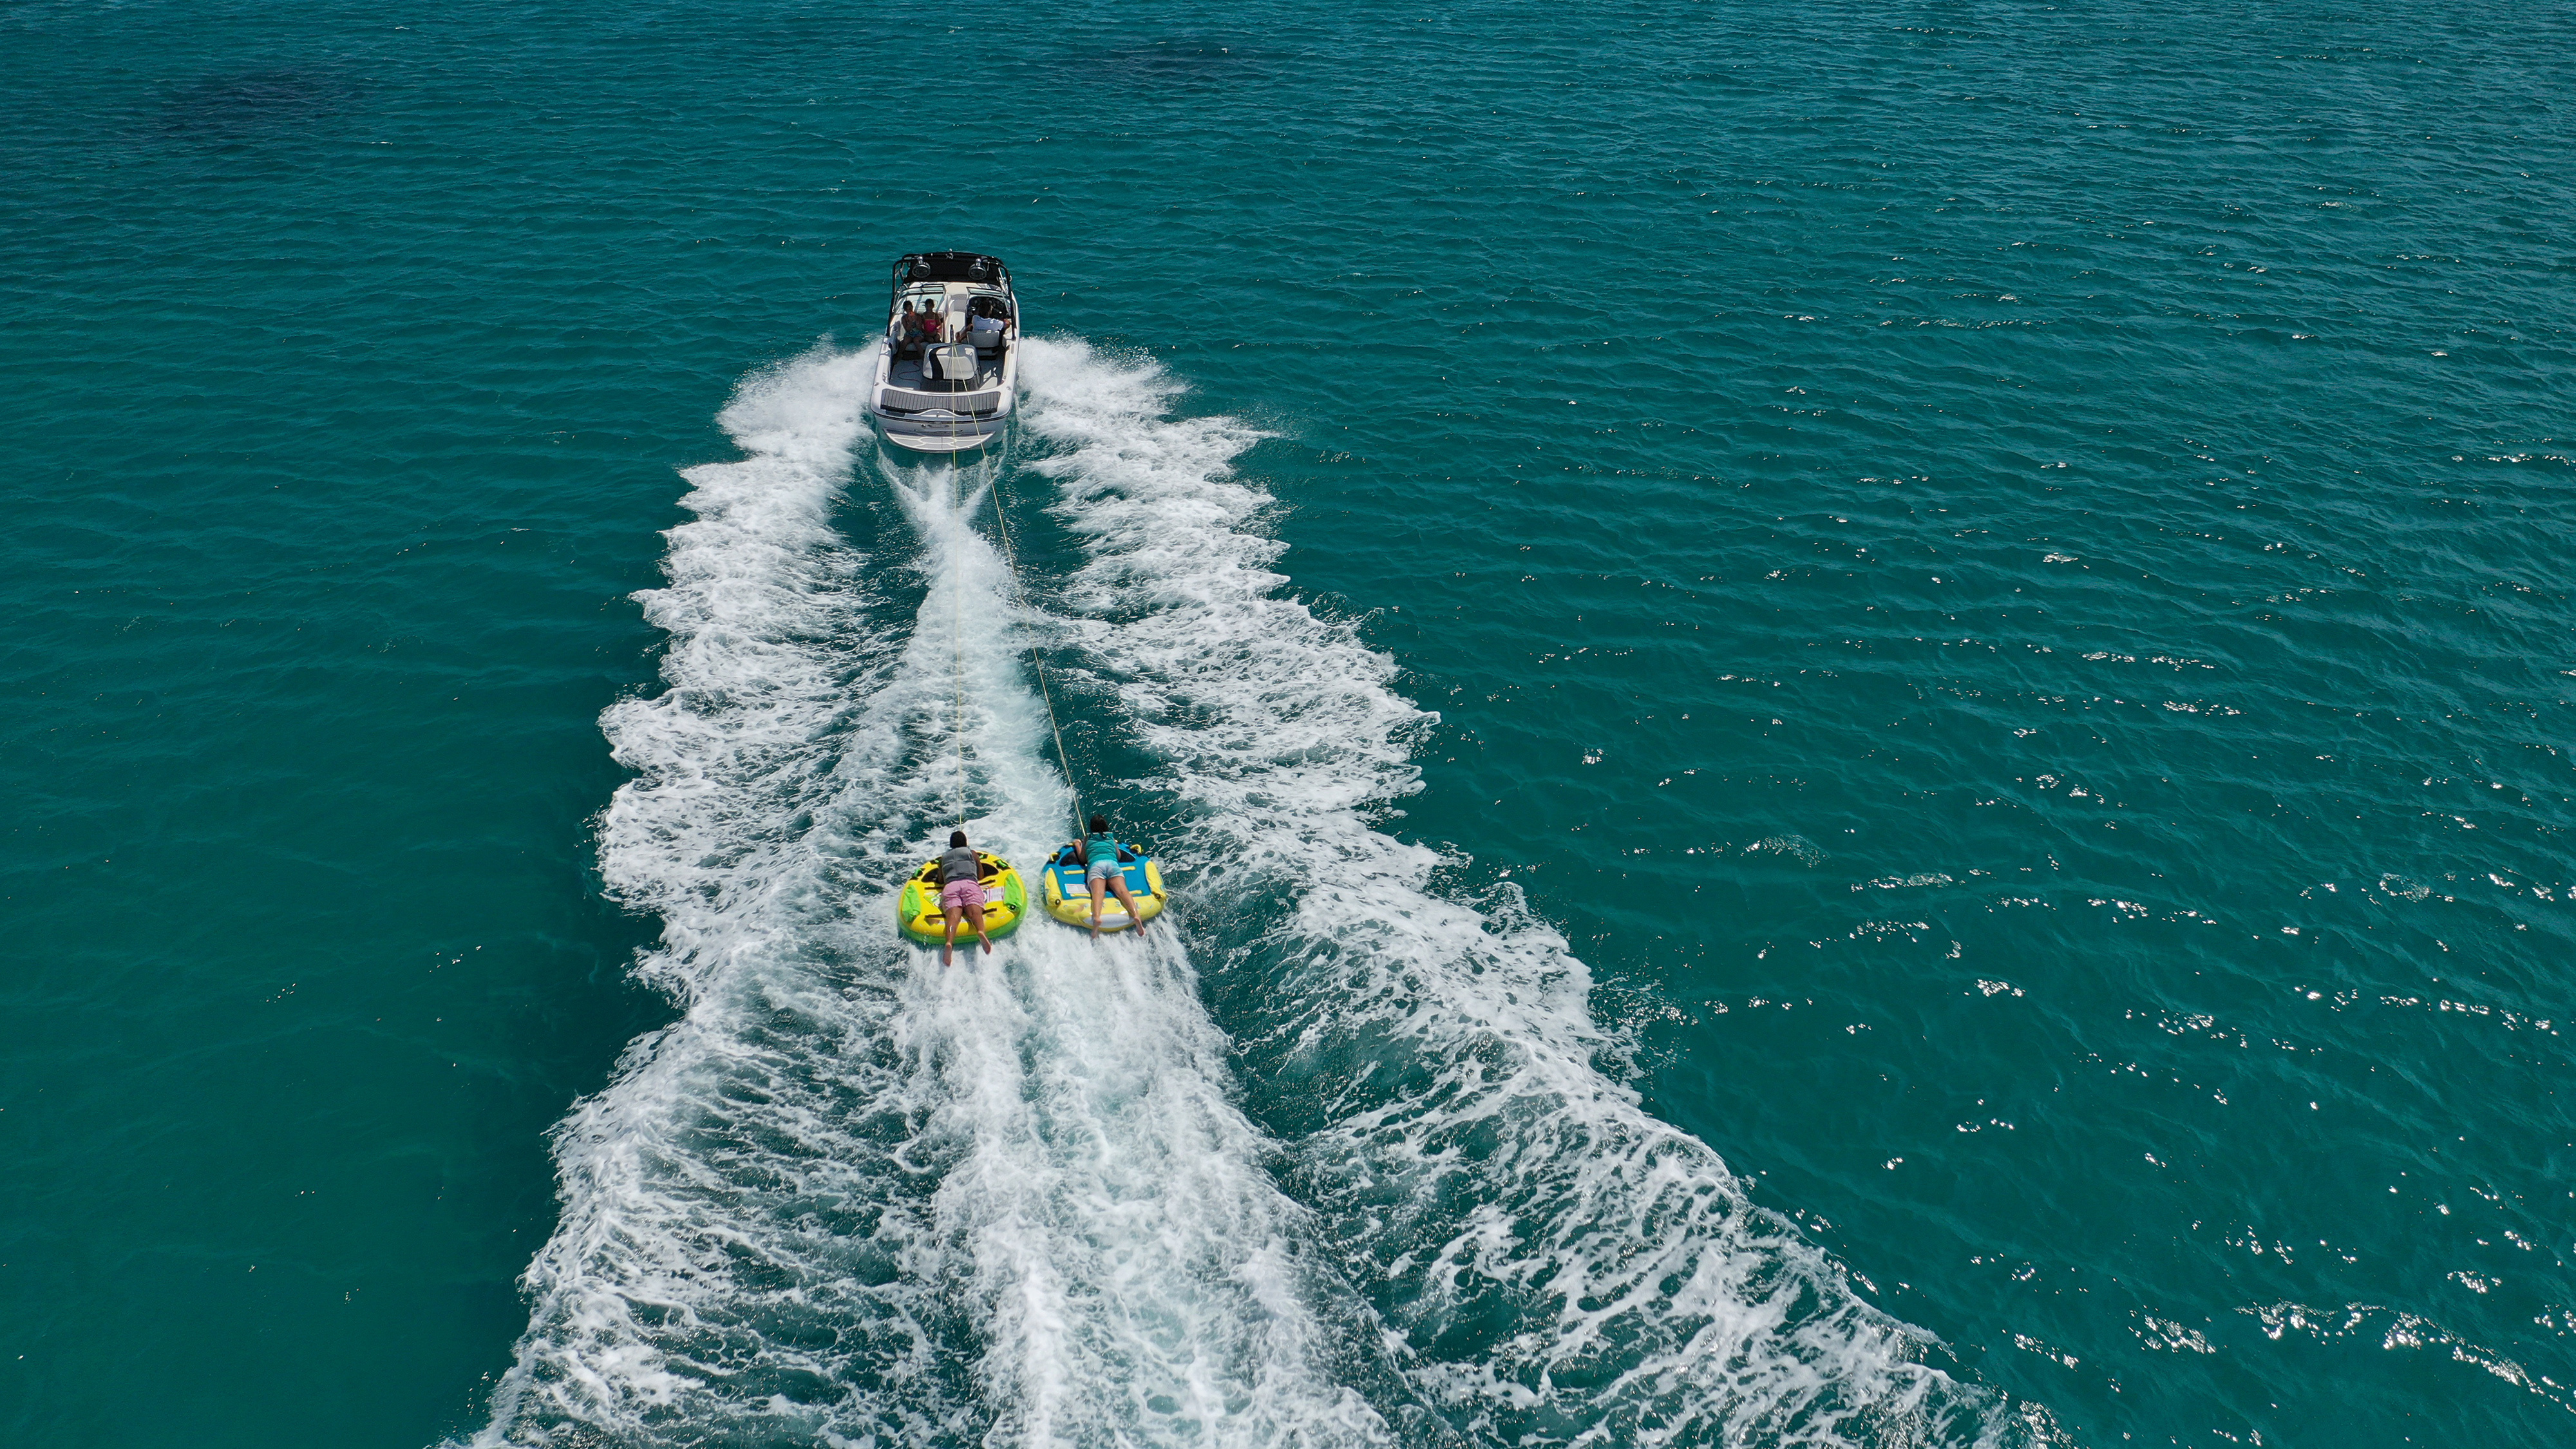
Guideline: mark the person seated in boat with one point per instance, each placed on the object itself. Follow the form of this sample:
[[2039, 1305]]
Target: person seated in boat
[[931, 323], [907, 330], [961, 893], [984, 325], [1097, 852]]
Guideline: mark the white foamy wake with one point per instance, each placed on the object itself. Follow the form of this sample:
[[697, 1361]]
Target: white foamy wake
[[1561, 1266], [849, 1197]]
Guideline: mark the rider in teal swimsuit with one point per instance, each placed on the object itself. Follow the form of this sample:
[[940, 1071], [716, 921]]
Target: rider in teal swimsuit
[[1099, 853]]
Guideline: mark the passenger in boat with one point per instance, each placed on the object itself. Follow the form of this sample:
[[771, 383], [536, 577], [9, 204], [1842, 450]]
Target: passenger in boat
[[907, 336], [931, 322], [961, 893], [1098, 853]]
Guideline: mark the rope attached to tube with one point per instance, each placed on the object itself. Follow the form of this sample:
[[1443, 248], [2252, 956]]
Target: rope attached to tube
[[1002, 520], [957, 673]]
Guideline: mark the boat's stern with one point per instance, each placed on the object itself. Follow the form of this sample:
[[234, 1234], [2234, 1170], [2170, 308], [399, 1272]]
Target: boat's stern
[[941, 426]]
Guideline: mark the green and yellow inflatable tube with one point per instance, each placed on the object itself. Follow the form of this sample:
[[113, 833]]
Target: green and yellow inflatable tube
[[1006, 900], [1068, 896]]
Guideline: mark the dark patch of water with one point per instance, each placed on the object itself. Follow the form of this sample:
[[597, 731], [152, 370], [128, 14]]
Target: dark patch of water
[[238, 107], [1173, 62]]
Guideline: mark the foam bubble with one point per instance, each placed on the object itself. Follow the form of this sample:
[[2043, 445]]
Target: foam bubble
[[1562, 1266]]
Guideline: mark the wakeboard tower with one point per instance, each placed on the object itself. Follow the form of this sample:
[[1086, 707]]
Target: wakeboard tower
[[948, 375]]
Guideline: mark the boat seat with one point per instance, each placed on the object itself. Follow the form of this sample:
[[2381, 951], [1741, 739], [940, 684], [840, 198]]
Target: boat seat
[[955, 362]]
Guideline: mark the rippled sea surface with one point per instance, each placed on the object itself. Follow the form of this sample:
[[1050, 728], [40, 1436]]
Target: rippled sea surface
[[1861, 715]]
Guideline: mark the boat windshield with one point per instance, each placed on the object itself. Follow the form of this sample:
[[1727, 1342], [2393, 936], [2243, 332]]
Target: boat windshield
[[945, 297]]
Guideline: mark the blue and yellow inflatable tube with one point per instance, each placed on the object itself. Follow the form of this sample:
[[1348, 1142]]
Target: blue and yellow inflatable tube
[[1068, 894], [1006, 900]]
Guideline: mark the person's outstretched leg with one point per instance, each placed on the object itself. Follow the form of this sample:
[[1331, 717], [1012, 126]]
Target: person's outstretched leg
[[948, 948], [1095, 908], [1126, 898], [975, 918]]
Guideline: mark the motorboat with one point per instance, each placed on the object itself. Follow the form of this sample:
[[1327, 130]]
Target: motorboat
[[949, 372]]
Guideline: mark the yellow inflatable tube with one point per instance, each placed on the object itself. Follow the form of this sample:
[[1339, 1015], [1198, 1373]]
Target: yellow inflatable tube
[[1006, 900], [1068, 896]]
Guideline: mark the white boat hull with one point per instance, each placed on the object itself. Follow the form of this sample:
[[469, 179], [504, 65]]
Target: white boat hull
[[934, 433]]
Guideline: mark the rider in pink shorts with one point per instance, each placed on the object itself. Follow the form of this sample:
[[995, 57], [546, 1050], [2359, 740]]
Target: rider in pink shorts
[[961, 892]]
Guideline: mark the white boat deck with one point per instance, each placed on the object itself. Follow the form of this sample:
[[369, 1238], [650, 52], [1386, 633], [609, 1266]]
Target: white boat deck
[[905, 372]]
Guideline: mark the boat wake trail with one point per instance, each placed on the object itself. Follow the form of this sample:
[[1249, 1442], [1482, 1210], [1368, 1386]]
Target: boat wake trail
[[1556, 1265], [848, 1197]]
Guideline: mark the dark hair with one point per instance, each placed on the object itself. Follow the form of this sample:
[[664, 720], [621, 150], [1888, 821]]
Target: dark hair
[[1099, 824], [956, 838]]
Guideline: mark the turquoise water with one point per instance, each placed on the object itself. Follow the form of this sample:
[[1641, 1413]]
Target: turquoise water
[[1861, 715]]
